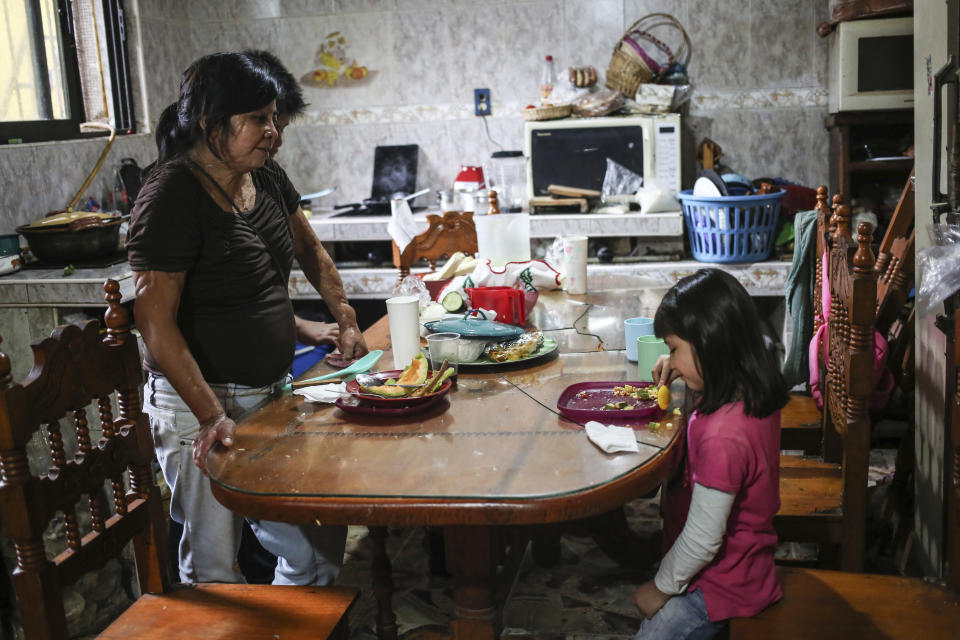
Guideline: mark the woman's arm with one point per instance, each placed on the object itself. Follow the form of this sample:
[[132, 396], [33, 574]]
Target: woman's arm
[[693, 549], [155, 312], [322, 274]]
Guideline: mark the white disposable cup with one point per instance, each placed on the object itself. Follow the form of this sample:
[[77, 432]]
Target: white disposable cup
[[444, 346], [575, 263], [403, 315]]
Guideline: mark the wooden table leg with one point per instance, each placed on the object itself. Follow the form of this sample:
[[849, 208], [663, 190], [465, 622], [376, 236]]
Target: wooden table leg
[[382, 584], [470, 558]]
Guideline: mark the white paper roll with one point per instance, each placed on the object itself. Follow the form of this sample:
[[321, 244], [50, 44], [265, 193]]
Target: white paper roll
[[575, 263], [403, 315]]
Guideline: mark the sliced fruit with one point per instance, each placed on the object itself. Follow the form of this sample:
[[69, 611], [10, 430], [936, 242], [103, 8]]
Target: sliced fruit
[[453, 301], [438, 382], [386, 390], [663, 397], [415, 372]]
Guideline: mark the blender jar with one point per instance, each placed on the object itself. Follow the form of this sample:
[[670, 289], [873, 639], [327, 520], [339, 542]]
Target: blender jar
[[508, 175]]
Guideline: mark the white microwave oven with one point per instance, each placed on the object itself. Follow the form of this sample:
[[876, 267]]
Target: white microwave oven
[[871, 65], [573, 152]]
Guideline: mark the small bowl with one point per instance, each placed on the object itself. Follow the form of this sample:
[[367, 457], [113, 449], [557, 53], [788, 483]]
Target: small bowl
[[471, 348]]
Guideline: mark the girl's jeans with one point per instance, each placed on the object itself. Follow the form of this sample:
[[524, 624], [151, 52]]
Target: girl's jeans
[[306, 554], [681, 618]]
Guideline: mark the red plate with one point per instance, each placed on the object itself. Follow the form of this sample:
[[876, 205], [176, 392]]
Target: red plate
[[584, 401], [359, 405], [354, 388]]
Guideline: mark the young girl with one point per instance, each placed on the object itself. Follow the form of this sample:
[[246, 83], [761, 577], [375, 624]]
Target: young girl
[[721, 564]]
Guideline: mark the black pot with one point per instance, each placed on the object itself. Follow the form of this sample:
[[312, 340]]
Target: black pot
[[62, 243]]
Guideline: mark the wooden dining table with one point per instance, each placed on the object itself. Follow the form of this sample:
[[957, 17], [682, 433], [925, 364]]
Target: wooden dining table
[[494, 456]]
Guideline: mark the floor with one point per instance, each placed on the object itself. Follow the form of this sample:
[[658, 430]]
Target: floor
[[585, 595]]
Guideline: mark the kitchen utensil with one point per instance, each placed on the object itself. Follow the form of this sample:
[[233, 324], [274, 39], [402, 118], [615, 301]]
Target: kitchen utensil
[[508, 176], [318, 194], [509, 303], [483, 364], [649, 349], [307, 383], [367, 380], [475, 327], [444, 348], [360, 366], [584, 401]]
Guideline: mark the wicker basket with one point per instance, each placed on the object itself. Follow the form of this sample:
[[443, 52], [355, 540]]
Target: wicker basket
[[548, 113], [630, 66]]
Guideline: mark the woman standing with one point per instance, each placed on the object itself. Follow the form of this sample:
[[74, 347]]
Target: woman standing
[[212, 248]]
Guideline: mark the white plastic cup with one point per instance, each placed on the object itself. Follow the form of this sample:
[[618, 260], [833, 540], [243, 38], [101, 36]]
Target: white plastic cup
[[444, 346], [403, 315], [575, 264]]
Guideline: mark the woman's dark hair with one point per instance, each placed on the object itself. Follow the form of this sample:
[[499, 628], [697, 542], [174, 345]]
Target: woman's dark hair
[[212, 89], [290, 99], [712, 311]]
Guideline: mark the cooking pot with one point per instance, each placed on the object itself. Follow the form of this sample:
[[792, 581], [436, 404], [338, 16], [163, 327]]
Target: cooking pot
[[83, 239]]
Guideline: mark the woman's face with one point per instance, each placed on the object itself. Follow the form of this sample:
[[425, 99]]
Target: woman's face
[[251, 138], [683, 359]]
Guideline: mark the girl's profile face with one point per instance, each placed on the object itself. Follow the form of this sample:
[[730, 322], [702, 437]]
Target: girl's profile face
[[683, 360]]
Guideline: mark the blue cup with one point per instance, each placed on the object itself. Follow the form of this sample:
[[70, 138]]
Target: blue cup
[[633, 328]]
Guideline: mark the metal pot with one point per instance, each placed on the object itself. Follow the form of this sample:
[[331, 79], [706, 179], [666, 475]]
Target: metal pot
[[73, 242]]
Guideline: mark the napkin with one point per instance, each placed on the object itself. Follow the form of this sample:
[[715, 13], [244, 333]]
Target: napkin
[[401, 226], [612, 439], [322, 392]]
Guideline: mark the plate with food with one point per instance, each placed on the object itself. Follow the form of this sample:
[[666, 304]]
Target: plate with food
[[414, 385], [612, 400], [527, 348]]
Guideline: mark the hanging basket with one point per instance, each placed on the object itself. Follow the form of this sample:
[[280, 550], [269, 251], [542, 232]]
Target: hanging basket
[[631, 63]]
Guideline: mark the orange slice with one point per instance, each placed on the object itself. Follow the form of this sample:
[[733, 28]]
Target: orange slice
[[663, 397]]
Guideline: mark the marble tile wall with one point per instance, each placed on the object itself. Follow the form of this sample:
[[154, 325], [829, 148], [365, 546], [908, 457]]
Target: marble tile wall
[[757, 65]]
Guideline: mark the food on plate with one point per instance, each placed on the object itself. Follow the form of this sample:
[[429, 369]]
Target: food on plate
[[663, 397], [639, 393], [618, 406], [520, 347], [386, 390], [415, 372]]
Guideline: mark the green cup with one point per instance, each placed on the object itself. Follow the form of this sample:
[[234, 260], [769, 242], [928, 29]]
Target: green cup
[[649, 348]]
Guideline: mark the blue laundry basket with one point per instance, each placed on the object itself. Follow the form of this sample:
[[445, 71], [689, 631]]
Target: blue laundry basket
[[736, 228]]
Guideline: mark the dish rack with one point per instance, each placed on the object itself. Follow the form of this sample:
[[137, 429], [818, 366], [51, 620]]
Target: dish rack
[[729, 229]]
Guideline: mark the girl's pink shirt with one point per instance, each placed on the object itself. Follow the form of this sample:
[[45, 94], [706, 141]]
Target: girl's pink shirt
[[733, 452]]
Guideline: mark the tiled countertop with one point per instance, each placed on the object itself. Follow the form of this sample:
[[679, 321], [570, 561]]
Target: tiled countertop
[[84, 288]]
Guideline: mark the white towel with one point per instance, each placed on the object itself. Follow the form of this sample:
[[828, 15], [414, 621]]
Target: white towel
[[612, 439], [401, 226], [322, 392]]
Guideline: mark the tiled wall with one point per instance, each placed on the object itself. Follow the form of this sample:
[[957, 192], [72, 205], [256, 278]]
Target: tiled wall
[[758, 69]]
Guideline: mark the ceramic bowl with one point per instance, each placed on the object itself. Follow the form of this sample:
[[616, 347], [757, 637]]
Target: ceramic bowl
[[471, 348]]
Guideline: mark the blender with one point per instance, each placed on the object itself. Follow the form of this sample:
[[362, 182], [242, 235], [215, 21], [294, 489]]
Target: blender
[[507, 174]]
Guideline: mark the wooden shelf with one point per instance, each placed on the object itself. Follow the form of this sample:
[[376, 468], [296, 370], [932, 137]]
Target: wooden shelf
[[870, 166]]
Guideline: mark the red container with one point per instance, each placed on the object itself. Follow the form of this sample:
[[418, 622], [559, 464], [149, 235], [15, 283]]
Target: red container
[[509, 303]]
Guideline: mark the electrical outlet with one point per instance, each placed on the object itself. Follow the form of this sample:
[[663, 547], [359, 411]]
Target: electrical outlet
[[481, 102]]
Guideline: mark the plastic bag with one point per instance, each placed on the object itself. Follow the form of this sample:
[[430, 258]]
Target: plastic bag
[[598, 103], [653, 199], [939, 266], [619, 180], [413, 286]]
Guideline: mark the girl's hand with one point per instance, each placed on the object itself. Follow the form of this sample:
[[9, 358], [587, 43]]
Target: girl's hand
[[649, 599], [218, 429], [663, 374]]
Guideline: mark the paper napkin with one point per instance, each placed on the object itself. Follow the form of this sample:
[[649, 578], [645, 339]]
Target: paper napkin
[[322, 392], [612, 439]]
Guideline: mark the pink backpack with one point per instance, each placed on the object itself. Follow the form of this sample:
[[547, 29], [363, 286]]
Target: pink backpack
[[882, 378]]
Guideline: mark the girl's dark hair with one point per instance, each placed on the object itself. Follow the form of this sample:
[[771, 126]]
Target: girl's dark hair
[[212, 89], [290, 99], [712, 311]]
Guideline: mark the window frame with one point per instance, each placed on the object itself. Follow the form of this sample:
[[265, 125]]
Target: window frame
[[24, 131]]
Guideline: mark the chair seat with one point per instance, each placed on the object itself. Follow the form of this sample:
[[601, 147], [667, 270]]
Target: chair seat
[[213, 611], [836, 604], [800, 424], [810, 500]]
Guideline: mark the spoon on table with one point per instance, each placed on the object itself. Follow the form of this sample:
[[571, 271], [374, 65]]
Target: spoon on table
[[367, 380], [360, 366]]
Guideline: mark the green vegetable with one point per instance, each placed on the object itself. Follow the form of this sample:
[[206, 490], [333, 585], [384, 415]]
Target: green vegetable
[[69, 269], [453, 301]]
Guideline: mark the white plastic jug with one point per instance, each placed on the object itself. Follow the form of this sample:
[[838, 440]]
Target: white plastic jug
[[503, 237]]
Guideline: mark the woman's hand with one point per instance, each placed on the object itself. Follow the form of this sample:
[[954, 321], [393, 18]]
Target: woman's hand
[[662, 372], [217, 429], [649, 599], [317, 333], [351, 342]]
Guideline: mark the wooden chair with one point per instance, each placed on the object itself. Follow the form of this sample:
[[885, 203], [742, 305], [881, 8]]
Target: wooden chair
[[72, 368], [824, 500], [447, 234], [895, 261]]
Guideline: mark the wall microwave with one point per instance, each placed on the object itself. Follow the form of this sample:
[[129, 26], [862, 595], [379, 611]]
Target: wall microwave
[[573, 152], [871, 65]]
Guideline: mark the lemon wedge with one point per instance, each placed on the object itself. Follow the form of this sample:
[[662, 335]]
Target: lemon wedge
[[663, 397]]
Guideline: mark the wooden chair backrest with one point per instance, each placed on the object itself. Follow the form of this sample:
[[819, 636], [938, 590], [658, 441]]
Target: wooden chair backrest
[[453, 231], [952, 454], [824, 213], [73, 368], [849, 375], [895, 261]]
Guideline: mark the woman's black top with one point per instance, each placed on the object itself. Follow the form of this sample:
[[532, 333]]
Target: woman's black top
[[235, 312]]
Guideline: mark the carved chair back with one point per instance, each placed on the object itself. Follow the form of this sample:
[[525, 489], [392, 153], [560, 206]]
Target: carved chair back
[[74, 367], [453, 231]]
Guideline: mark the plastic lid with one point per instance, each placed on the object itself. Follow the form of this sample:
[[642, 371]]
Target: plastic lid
[[506, 154], [550, 58]]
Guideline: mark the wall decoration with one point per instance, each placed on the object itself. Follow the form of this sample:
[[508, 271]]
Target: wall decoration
[[332, 69]]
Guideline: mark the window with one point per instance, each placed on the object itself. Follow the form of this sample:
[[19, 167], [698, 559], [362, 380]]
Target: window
[[62, 63]]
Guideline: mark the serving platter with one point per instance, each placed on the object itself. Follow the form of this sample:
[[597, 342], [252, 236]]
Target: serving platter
[[584, 401], [483, 364]]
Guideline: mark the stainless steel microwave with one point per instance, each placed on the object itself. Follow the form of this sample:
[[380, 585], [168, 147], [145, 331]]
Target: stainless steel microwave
[[573, 152]]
